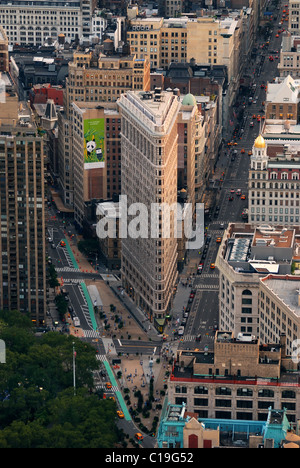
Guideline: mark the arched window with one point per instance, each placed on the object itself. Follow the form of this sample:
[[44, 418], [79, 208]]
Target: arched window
[[295, 176], [247, 292], [284, 176]]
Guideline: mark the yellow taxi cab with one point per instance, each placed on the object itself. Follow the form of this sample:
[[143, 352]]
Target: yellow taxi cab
[[138, 436], [212, 266], [120, 414], [218, 240], [108, 385]]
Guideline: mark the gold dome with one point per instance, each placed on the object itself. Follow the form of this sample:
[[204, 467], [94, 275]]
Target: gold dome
[[259, 142]]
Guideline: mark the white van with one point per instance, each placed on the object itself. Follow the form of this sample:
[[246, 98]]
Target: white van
[[76, 322], [180, 331]]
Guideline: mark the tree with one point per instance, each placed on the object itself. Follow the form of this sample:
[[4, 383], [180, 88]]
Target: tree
[[38, 408]]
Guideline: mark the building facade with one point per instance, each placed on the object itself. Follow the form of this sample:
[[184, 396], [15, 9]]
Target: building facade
[[149, 140], [273, 187], [95, 81], [247, 254], [279, 309], [241, 379], [22, 205], [32, 23]]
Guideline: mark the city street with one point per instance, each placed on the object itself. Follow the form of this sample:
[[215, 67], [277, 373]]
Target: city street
[[203, 317]]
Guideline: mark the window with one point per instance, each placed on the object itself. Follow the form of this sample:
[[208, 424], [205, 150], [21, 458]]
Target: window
[[223, 391], [247, 292]]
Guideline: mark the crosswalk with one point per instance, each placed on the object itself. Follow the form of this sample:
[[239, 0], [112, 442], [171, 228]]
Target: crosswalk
[[91, 333], [113, 389], [205, 287], [101, 357], [67, 269], [209, 275], [192, 338]]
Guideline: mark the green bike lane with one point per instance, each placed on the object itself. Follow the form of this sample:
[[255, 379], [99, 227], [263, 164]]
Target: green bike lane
[[109, 371]]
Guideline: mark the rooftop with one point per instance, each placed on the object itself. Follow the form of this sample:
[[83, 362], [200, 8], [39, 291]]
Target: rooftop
[[281, 238], [287, 289]]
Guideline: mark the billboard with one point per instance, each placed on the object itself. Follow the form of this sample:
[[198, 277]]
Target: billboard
[[94, 143]]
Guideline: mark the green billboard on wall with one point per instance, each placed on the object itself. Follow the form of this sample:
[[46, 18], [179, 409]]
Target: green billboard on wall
[[94, 143]]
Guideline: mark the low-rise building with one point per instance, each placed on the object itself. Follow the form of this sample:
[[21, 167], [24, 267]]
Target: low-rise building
[[246, 254], [282, 100], [241, 379], [180, 428], [279, 309]]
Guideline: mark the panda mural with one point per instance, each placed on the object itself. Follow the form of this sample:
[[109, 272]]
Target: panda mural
[[94, 143]]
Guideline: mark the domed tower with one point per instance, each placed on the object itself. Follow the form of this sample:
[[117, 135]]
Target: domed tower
[[259, 157], [189, 100]]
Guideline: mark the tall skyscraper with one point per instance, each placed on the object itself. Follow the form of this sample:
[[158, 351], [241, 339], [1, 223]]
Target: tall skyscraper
[[22, 211], [149, 176]]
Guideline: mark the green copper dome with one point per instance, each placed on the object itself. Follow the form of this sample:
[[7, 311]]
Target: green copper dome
[[189, 100]]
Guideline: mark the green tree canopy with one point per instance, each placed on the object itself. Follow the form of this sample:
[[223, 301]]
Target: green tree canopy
[[38, 408]]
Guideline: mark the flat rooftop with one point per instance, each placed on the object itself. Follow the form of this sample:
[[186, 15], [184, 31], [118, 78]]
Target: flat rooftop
[[282, 238], [287, 290]]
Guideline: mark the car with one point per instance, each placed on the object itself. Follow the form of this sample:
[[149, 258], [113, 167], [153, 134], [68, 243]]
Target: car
[[251, 124], [254, 116], [62, 243], [243, 197], [238, 192], [208, 239], [271, 57], [230, 198], [188, 309], [199, 271], [242, 151], [192, 296], [183, 322], [108, 385], [112, 398], [218, 240], [185, 315], [190, 300], [249, 153], [232, 191], [138, 436], [222, 226], [120, 414], [53, 246], [212, 266]]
